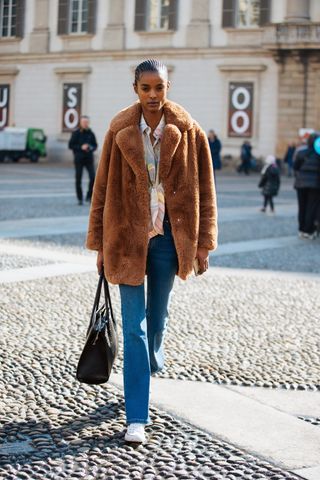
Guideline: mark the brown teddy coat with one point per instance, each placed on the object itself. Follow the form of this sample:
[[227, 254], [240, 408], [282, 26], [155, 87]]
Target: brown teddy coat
[[120, 210]]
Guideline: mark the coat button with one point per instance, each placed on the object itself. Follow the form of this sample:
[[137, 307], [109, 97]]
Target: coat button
[[178, 220], [174, 192]]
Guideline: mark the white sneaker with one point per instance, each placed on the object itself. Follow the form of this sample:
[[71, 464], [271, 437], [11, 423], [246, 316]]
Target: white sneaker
[[135, 433], [309, 236]]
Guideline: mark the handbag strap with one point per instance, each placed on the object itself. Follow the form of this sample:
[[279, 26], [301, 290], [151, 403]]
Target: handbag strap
[[107, 296], [97, 297]]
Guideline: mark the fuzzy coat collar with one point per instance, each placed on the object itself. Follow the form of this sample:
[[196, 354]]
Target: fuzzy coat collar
[[125, 126], [173, 112]]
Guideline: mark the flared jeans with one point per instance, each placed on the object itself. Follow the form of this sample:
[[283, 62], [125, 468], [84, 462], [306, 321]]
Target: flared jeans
[[144, 323]]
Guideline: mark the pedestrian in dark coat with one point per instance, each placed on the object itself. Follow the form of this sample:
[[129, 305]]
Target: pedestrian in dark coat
[[245, 155], [288, 158], [270, 182], [83, 143], [307, 183], [215, 149]]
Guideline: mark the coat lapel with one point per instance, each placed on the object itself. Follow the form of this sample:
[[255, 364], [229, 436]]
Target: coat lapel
[[169, 142], [130, 143]]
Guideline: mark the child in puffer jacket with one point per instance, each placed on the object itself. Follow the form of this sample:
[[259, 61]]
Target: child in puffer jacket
[[270, 182]]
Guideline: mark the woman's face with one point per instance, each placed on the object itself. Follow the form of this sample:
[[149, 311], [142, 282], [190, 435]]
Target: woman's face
[[151, 89]]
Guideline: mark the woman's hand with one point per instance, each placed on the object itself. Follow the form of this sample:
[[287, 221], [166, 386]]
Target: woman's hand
[[203, 259], [100, 261]]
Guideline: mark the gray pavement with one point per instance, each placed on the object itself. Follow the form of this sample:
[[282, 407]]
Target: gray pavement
[[239, 397]]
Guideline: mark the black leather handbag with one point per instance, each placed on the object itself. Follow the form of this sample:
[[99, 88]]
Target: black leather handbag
[[101, 346]]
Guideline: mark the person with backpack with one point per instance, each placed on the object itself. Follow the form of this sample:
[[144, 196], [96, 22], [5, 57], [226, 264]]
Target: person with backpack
[[307, 184]]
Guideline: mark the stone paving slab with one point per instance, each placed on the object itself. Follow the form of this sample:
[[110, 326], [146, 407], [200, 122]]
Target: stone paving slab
[[299, 256], [249, 246], [240, 419], [300, 403], [52, 203], [43, 271], [28, 227], [312, 473], [8, 262]]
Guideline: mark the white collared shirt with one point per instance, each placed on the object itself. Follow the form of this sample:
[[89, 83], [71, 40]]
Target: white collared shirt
[[152, 159]]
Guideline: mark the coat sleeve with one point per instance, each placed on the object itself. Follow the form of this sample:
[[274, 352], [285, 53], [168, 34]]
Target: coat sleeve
[[298, 160], [94, 142], [208, 226], [94, 239], [74, 142]]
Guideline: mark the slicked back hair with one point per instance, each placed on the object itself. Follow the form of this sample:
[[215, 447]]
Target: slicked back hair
[[150, 65]]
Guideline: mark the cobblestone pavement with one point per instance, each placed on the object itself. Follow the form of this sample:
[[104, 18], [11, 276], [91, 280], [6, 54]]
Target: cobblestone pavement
[[53, 427], [226, 328]]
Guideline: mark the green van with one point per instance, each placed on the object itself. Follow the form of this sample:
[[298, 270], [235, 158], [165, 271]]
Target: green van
[[16, 143]]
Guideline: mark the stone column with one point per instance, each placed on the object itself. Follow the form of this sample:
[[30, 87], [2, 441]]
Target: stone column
[[198, 30], [115, 30], [298, 11], [39, 37]]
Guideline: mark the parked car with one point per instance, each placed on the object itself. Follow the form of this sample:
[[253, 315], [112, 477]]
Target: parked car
[[17, 143]]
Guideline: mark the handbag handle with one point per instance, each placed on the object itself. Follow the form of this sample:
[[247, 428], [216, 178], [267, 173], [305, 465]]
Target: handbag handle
[[107, 297], [107, 294]]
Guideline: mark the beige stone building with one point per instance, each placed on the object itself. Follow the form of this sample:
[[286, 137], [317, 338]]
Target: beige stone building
[[249, 69]]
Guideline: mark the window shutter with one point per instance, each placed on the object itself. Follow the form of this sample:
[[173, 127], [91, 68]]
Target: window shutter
[[63, 17], [140, 15], [265, 11], [92, 15], [228, 13], [173, 15], [20, 18]]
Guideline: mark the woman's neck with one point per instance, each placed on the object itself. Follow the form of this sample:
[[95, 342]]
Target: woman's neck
[[152, 118]]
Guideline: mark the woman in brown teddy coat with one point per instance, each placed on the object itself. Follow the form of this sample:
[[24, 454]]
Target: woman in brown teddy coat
[[153, 212]]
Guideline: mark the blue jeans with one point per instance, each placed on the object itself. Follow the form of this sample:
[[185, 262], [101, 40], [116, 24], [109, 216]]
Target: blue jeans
[[144, 324]]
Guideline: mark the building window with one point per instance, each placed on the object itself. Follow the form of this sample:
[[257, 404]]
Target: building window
[[8, 18], [78, 16], [158, 18], [155, 15], [245, 13], [248, 13]]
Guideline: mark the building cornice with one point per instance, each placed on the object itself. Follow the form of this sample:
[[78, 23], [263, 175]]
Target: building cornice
[[92, 55], [73, 70], [9, 71], [242, 68]]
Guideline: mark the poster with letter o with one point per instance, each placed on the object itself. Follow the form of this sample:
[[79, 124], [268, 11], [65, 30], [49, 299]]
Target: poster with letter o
[[240, 109], [4, 105], [71, 110]]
